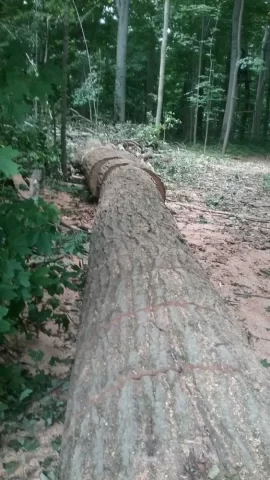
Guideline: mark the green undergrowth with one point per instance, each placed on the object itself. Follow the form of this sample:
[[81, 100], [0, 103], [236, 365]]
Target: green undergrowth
[[34, 272], [235, 149], [180, 164]]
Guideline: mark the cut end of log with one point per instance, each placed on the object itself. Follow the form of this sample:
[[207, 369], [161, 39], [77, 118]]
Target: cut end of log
[[99, 161]]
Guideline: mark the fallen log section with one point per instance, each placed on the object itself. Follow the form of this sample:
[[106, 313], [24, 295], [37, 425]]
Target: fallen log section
[[163, 385]]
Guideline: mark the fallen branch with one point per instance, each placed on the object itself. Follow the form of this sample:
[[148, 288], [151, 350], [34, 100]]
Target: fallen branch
[[250, 295], [74, 227], [219, 212], [35, 263], [259, 338], [77, 186], [85, 119]]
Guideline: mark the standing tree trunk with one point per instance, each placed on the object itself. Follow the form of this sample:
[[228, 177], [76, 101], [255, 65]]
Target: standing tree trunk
[[64, 91], [151, 76], [197, 106], [225, 88], [163, 386], [247, 108], [256, 124], [162, 62], [121, 60], [235, 57], [267, 109]]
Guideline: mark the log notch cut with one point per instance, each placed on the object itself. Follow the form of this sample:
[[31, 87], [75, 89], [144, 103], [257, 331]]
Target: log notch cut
[[163, 386]]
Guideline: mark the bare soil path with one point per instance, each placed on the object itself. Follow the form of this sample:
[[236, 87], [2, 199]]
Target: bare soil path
[[225, 218]]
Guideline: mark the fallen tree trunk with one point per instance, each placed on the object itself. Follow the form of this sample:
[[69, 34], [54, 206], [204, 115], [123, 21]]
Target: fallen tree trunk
[[163, 386]]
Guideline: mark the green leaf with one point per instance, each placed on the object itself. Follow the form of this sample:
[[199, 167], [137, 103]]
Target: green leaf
[[265, 363], [23, 278], [3, 408], [44, 243], [7, 166], [11, 467], [42, 476], [36, 355], [28, 425], [40, 277], [54, 302], [7, 292], [49, 476], [18, 244], [3, 312], [47, 461], [56, 443], [15, 445], [4, 326], [30, 444], [26, 393]]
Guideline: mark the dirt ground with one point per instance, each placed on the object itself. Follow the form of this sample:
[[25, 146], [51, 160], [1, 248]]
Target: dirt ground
[[224, 215], [232, 240]]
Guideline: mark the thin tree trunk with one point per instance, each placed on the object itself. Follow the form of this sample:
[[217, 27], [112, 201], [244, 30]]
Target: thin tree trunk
[[197, 106], [37, 25], [210, 81], [45, 59], [163, 386], [235, 57], [150, 81], [121, 60], [64, 90], [223, 103], [256, 124], [200, 113], [247, 107], [54, 123], [162, 62], [267, 110], [184, 107]]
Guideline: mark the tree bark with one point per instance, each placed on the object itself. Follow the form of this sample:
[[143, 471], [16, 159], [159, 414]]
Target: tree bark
[[247, 107], [197, 105], [151, 77], [121, 58], [256, 124], [64, 91], [235, 57], [162, 62], [163, 385], [267, 109]]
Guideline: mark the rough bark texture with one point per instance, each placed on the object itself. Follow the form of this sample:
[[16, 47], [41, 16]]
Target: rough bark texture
[[98, 162], [235, 57], [163, 386]]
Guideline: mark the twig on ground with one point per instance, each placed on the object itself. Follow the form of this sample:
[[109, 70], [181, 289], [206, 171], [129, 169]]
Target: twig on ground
[[74, 227], [85, 119], [45, 262], [250, 295], [220, 212]]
